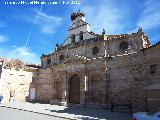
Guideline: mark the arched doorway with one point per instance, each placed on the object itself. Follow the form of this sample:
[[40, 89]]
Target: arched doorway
[[74, 89]]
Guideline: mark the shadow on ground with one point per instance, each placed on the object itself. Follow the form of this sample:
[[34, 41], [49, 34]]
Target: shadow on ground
[[93, 114], [74, 112]]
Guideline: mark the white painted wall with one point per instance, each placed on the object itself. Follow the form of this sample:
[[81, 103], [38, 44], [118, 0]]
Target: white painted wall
[[19, 81], [77, 30]]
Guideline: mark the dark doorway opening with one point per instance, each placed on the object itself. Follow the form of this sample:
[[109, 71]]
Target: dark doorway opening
[[74, 89]]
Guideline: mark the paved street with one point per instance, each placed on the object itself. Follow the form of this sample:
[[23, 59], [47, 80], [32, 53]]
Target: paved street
[[13, 114], [25, 111]]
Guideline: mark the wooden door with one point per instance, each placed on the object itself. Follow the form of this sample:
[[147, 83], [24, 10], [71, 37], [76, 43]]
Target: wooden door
[[74, 89]]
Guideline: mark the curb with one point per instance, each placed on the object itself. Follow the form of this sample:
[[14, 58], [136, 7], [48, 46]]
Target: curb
[[37, 112]]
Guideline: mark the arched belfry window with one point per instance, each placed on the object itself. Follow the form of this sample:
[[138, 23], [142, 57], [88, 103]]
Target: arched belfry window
[[73, 38], [81, 36]]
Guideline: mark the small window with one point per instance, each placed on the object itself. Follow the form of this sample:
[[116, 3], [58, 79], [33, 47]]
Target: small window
[[61, 57], [21, 75], [81, 36], [95, 50], [153, 69], [21, 84], [73, 39]]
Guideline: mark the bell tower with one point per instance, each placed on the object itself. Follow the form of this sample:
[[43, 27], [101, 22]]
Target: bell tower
[[79, 23], [79, 30]]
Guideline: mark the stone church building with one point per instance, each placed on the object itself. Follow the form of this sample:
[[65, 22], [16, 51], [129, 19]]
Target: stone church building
[[99, 69]]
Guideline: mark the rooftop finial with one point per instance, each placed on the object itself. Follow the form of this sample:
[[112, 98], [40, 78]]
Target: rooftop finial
[[140, 30], [57, 45], [103, 32]]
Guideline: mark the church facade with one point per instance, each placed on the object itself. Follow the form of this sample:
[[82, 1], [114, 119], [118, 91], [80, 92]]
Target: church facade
[[98, 69]]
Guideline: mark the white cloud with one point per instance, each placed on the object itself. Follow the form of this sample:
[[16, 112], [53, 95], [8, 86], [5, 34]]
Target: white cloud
[[3, 38], [22, 53], [46, 23], [150, 16], [105, 15]]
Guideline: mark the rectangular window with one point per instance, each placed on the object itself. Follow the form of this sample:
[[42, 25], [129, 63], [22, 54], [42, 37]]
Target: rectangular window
[[154, 69], [21, 75]]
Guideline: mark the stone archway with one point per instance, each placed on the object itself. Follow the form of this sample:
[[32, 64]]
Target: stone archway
[[74, 89]]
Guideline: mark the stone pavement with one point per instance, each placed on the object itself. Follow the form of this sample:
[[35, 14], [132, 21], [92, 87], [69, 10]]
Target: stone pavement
[[72, 112], [14, 114]]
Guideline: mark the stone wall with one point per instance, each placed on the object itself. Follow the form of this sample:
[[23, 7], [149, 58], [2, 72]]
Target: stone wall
[[110, 46], [44, 85], [120, 79]]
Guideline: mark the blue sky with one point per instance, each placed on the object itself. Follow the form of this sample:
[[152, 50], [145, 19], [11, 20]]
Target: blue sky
[[49, 25]]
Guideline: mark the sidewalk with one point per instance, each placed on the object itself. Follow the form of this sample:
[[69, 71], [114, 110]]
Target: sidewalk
[[74, 112]]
